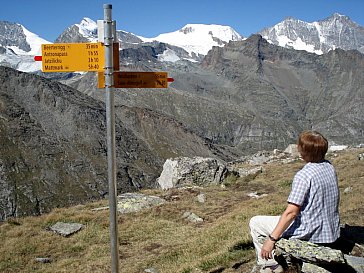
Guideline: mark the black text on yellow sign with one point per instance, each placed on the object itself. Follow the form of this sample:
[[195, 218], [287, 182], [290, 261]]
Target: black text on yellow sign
[[136, 79], [73, 57]]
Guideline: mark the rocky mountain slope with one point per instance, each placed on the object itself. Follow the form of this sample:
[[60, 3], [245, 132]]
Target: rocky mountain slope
[[290, 90], [252, 95], [336, 31], [53, 145]]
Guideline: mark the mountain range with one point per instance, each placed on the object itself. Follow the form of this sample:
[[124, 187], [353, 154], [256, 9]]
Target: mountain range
[[192, 42], [241, 96]]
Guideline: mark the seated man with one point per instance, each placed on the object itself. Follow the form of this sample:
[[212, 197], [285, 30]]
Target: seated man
[[312, 212]]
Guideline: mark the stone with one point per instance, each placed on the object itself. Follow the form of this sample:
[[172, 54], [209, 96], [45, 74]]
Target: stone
[[348, 190], [256, 195], [43, 260], [190, 216], [66, 229], [201, 198]]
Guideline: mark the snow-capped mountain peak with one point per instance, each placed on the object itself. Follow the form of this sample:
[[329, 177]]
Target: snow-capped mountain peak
[[198, 38], [19, 46], [336, 31], [288, 34], [87, 27], [339, 16]]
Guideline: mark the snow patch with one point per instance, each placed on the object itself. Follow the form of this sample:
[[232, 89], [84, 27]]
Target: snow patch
[[168, 56], [298, 44], [34, 41]]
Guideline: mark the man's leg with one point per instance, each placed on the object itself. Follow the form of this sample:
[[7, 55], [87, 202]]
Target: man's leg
[[262, 226]]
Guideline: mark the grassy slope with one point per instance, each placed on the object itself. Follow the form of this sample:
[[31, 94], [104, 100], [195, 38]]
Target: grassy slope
[[160, 238]]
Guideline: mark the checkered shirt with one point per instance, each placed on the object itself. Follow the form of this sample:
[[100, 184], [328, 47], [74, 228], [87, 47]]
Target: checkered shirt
[[315, 190]]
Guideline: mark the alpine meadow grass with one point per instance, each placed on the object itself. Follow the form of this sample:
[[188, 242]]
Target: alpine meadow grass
[[160, 237]]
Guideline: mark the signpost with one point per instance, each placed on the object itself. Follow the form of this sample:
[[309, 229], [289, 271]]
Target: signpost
[[73, 57], [103, 58], [110, 124]]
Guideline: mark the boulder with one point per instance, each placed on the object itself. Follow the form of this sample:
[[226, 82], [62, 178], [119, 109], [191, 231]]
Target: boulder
[[185, 171], [66, 229], [307, 257], [292, 150], [310, 252]]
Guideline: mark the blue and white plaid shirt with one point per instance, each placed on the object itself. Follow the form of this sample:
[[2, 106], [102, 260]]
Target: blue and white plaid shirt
[[315, 190]]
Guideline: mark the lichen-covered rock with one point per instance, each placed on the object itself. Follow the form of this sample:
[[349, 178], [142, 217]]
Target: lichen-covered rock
[[132, 202], [310, 252], [315, 258]]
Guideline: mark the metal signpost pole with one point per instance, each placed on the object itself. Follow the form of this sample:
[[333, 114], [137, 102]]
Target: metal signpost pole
[[110, 122]]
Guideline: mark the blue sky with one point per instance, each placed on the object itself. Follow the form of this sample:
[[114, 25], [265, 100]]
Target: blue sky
[[149, 18]]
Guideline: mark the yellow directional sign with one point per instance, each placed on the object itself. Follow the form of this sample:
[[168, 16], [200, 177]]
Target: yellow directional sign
[[73, 57], [136, 79]]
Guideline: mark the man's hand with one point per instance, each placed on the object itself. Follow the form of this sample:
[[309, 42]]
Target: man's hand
[[267, 248]]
